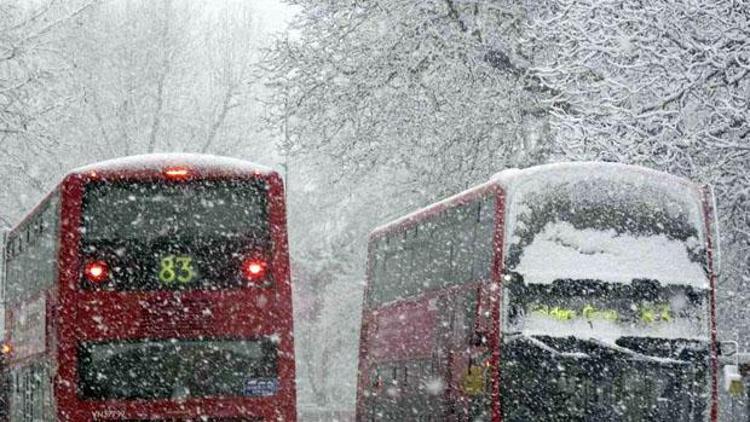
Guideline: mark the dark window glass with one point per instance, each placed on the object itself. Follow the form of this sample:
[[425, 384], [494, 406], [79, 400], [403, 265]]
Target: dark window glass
[[129, 370], [31, 254], [406, 393], [378, 271], [449, 249], [423, 269], [442, 248], [29, 396], [165, 236], [407, 262], [466, 224], [393, 267], [580, 379], [484, 240]]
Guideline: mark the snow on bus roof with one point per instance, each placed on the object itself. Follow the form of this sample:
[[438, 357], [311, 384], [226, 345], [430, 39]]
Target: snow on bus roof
[[161, 160], [510, 177]]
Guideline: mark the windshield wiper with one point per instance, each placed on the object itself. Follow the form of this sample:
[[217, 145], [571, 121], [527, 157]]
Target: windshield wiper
[[544, 346], [599, 343], [637, 355]]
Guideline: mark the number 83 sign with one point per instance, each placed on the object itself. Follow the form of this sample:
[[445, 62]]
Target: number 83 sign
[[176, 268]]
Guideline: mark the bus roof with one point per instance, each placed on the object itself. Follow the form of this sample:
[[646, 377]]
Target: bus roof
[[435, 208], [158, 162], [509, 177]]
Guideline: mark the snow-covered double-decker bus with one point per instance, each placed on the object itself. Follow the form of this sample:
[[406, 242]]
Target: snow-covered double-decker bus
[[152, 288], [571, 291]]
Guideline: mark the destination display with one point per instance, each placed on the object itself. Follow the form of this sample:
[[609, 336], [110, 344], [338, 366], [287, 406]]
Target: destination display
[[599, 309]]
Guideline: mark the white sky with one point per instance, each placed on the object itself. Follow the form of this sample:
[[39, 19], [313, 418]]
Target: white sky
[[276, 14]]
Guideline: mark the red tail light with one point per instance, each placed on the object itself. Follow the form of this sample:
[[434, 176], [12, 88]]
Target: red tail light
[[254, 269], [96, 271]]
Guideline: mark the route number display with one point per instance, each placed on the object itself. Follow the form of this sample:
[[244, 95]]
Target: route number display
[[176, 268]]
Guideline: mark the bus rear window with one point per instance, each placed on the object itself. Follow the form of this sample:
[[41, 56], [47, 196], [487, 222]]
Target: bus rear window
[[177, 369], [170, 236]]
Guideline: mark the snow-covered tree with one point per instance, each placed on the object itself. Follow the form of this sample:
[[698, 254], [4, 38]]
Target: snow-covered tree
[[117, 78], [426, 88], [33, 91]]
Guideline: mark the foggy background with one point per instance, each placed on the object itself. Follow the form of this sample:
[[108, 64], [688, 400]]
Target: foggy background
[[373, 109]]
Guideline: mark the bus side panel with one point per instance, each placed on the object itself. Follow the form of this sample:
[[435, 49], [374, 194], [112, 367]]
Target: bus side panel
[[5, 383], [712, 246], [425, 356], [29, 372], [68, 264], [407, 362], [280, 266], [3, 236], [362, 373], [51, 334], [495, 303]]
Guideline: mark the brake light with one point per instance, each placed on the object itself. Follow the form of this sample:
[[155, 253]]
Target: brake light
[[177, 172], [96, 271], [254, 269]]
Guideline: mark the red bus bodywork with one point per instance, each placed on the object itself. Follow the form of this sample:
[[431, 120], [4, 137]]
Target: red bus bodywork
[[74, 315], [419, 314], [423, 321]]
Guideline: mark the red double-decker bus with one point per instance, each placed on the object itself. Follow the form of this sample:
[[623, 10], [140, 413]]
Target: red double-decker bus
[[153, 288], [564, 292]]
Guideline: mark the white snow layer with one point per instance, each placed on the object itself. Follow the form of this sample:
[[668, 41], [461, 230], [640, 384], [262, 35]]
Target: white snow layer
[[562, 251], [162, 160], [545, 174]]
